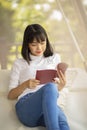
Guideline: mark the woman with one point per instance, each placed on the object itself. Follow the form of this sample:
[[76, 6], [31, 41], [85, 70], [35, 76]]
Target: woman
[[37, 103]]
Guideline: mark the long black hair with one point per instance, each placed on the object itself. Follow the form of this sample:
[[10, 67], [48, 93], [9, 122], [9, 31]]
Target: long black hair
[[35, 31]]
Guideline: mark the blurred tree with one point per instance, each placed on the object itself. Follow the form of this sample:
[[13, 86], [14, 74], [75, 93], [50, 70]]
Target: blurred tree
[[6, 29], [26, 12], [15, 15]]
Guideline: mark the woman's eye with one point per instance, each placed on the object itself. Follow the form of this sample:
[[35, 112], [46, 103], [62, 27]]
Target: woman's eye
[[33, 44], [43, 42]]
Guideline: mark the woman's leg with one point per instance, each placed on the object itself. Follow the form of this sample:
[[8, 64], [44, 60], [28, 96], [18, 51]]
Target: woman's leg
[[29, 109], [63, 120], [50, 110], [41, 106], [53, 115]]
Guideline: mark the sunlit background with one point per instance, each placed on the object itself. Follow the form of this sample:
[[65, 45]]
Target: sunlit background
[[66, 24], [64, 20]]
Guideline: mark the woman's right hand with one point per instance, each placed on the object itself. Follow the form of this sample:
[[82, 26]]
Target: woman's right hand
[[32, 83], [15, 92]]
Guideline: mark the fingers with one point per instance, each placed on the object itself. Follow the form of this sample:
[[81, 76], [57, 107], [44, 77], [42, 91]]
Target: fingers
[[61, 81], [32, 83], [35, 81], [62, 76]]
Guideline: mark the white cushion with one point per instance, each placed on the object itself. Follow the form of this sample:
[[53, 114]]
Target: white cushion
[[4, 80], [76, 79], [76, 110]]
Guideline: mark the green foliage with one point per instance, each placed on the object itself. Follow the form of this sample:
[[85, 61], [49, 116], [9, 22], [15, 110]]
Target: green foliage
[[15, 15], [6, 28]]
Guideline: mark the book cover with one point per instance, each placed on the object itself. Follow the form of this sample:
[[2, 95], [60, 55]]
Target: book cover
[[48, 75], [62, 66]]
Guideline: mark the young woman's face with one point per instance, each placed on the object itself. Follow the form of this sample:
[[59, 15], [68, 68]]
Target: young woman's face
[[37, 48]]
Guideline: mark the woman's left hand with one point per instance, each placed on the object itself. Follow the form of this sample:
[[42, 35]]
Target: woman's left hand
[[61, 81]]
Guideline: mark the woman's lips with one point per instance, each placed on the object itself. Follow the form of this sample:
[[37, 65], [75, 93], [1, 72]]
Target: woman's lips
[[38, 52]]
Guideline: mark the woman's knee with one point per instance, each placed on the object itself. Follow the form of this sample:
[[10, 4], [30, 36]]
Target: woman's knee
[[51, 87]]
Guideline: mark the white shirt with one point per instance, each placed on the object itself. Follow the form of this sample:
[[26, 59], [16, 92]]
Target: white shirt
[[23, 71]]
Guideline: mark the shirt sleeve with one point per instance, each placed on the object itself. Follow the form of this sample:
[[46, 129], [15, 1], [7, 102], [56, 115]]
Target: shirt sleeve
[[14, 77]]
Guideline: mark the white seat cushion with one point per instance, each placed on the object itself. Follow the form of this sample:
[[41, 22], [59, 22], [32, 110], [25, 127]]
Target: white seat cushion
[[75, 104]]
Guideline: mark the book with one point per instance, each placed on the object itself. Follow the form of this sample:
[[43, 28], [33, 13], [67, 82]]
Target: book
[[48, 75], [62, 66]]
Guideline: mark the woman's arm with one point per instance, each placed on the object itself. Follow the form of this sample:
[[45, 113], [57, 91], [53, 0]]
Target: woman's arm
[[15, 92]]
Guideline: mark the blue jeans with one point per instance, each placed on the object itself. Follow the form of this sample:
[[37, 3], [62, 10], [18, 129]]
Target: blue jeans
[[40, 109]]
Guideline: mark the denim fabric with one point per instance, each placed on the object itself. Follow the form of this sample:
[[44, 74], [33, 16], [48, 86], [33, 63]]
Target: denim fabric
[[40, 109]]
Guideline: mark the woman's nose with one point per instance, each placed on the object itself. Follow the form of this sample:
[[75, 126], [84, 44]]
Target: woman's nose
[[38, 46]]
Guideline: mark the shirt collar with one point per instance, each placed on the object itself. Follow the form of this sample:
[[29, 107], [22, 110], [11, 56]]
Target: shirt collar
[[36, 58]]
